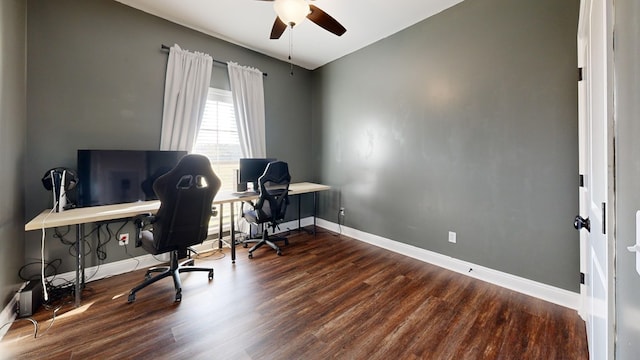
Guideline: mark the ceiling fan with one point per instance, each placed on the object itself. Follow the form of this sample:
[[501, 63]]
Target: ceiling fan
[[292, 12]]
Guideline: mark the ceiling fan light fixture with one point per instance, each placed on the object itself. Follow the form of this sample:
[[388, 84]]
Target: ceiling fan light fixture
[[291, 12]]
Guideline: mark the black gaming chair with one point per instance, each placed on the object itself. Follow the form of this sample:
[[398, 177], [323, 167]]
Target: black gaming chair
[[272, 204], [186, 193]]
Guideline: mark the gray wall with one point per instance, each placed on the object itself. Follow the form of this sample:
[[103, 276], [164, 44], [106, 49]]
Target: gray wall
[[96, 80], [12, 143], [466, 122], [627, 88]]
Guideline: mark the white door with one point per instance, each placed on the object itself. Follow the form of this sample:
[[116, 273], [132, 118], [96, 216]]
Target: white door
[[595, 52]]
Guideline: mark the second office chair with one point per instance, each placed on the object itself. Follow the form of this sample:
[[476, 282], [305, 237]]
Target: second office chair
[[271, 206]]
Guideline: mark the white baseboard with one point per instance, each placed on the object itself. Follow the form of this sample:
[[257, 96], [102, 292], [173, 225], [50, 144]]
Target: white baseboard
[[8, 314], [109, 269], [536, 289]]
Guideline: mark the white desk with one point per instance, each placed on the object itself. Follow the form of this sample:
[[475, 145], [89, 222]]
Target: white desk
[[81, 216]]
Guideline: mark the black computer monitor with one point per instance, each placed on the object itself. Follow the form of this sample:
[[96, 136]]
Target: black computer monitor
[[121, 176], [250, 170]]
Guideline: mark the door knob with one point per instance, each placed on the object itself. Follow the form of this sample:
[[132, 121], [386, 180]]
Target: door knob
[[580, 223]]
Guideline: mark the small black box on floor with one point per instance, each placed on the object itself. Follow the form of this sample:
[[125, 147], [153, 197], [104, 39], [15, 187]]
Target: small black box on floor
[[30, 298]]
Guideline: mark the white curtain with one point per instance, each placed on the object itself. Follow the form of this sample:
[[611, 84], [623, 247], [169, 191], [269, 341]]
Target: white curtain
[[185, 96], [248, 99]]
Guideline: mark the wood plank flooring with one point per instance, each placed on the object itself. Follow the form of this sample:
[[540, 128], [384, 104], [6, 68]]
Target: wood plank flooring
[[328, 296]]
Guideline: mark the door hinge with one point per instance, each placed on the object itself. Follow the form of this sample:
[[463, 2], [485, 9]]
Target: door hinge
[[580, 78], [581, 181], [582, 278], [604, 218]]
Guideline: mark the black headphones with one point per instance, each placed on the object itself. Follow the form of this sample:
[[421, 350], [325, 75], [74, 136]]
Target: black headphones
[[70, 178]]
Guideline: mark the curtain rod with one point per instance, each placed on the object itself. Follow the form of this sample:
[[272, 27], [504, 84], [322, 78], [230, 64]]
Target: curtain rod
[[165, 47]]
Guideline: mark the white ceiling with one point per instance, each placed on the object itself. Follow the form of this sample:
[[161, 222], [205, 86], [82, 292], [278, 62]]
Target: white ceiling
[[248, 23]]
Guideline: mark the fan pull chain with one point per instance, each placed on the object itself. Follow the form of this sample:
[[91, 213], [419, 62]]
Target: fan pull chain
[[290, 49]]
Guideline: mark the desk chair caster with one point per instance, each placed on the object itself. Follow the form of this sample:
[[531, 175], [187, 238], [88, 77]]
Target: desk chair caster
[[277, 252], [178, 298]]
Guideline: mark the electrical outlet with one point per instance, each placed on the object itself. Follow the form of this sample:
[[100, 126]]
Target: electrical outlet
[[452, 237], [341, 211], [123, 239]]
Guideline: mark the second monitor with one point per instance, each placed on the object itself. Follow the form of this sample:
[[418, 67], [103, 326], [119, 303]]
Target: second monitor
[[250, 170]]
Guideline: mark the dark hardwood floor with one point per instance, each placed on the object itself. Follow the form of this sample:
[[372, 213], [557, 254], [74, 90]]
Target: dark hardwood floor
[[326, 297]]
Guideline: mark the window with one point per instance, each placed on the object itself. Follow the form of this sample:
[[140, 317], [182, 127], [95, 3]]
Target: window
[[218, 140], [218, 136]]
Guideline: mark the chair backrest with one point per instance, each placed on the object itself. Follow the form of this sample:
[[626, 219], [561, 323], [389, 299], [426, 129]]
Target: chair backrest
[[186, 194], [274, 192]]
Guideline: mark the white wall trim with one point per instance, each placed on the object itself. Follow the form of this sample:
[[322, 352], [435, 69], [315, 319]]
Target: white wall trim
[[8, 314], [110, 269], [536, 289]]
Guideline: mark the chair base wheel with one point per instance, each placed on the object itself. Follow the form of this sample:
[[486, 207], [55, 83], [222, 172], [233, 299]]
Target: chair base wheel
[[174, 270], [250, 256], [279, 253]]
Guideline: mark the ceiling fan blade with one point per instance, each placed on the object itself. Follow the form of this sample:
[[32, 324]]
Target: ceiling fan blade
[[278, 28], [325, 21]]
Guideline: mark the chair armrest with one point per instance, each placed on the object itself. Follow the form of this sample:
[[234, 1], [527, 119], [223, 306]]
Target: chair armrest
[[253, 206], [141, 222]]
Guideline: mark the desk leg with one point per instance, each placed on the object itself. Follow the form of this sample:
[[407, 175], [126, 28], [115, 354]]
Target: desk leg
[[299, 226], [315, 210], [233, 236], [220, 212], [79, 263]]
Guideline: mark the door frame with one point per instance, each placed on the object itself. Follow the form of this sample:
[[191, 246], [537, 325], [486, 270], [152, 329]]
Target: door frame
[[583, 118]]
